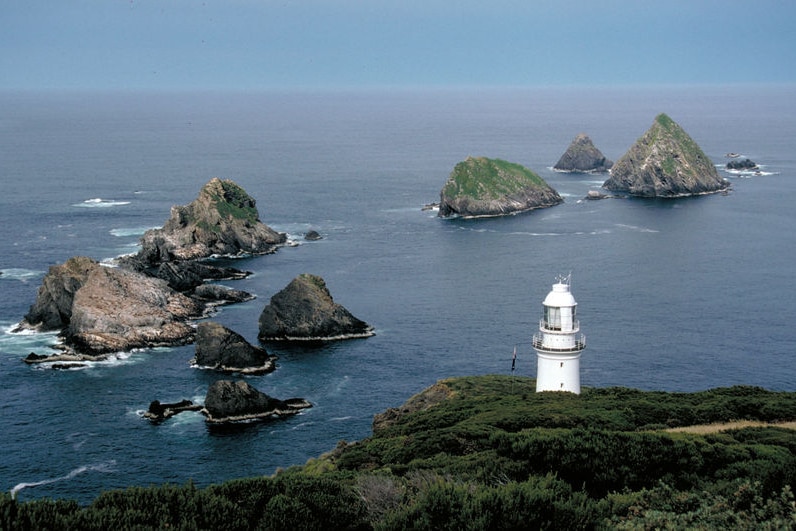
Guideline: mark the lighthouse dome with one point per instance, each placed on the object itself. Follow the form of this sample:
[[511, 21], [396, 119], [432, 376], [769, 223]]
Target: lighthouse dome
[[560, 297]]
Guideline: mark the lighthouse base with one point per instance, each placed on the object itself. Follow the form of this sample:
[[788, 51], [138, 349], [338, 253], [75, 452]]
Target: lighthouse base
[[556, 372]]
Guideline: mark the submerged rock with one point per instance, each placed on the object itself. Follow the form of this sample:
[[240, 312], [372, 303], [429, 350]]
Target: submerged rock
[[220, 348], [583, 156], [305, 310], [229, 401], [665, 162], [223, 220], [481, 187]]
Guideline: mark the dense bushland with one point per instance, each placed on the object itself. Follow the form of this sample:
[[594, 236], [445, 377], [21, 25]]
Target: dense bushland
[[493, 454]]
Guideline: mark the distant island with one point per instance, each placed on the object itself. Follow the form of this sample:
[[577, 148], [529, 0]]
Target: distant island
[[483, 187], [582, 157], [488, 452], [665, 162]]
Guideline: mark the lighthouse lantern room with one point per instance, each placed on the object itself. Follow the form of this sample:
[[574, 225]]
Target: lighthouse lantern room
[[559, 343]]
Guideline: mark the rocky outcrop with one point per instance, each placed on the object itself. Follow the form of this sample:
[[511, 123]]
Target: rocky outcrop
[[158, 412], [52, 309], [223, 220], [745, 164], [424, 400], [582, 156], [665, 162], [305, 310], [220, 348], [229, 401], [105, 309], [482, 187], [118, 310]]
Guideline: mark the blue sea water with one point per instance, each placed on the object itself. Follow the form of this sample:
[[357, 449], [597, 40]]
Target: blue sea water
[[675, 295]]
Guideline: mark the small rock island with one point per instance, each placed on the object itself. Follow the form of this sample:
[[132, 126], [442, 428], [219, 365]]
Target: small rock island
[[221, 349], [227, 401], [665, 162], [483, 187], [583, 157], [305, 310]]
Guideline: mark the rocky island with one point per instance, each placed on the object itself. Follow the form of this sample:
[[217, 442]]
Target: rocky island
[[221, 349], [482, 187], [148, 299], [229, 401], [222, 221], [305, 310], [665, 162], [583, 157]]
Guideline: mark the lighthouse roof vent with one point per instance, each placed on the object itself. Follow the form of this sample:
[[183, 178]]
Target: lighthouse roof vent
[[560, 296]]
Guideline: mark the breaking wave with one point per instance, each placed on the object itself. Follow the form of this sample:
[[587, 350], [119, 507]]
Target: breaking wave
[[100, 203], [106, 467]]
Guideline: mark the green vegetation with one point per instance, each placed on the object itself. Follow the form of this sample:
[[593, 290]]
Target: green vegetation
[[483, 178], [232, 201], [690, 148], [491, 453]]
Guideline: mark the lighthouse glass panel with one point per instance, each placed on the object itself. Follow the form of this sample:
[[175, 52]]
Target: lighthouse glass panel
[[552, 318]]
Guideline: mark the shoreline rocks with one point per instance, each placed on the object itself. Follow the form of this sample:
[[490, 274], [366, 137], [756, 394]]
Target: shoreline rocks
[[582, 157], [665, 162], [482, 187], [305, 310], [221, 349]]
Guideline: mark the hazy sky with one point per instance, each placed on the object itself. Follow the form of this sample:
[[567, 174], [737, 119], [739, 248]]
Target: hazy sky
[[250, 44]]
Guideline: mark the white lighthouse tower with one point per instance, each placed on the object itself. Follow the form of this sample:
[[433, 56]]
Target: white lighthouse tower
[[559, 342]]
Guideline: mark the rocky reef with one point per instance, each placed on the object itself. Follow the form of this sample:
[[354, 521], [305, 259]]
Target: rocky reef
[[665, 162], [224, 350], [583, 157], [229, 401], [305, 310], [482, 187]]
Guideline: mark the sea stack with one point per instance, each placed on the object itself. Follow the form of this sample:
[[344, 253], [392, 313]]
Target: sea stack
[[665, 162], [583, 157], [223, 220], [482, 187], [305, 310]]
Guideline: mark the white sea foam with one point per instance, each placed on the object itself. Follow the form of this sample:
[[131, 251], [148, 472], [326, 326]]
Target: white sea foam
[[17, 273], [98, 202], [635, 228], [126, 232], [107, 467]]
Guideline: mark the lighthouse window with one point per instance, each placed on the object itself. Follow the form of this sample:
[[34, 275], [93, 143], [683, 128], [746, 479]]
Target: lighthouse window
[[552, 317]]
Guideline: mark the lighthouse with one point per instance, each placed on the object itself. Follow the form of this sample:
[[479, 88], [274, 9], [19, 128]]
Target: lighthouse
[[559, 343]]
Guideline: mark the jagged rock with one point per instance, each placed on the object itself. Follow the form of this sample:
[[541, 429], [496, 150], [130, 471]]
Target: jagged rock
[[665, 162], [481, 187], [117, 310], [229, 401], [582, 156], [216, 294], [104, 309], [223, 220], [158, 412], [53, 307], [222, 349], [312, 236], [305, 310]]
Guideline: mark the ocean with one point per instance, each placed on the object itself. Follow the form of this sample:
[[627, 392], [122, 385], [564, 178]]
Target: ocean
[[673, 295]]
